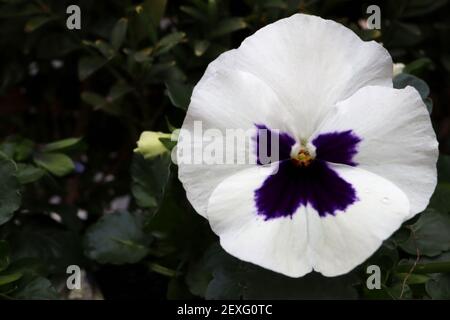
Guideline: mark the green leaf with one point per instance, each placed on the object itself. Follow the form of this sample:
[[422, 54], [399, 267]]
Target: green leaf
[[117, 238], [426, 268], [280, 4], [430, 234], [228, 26], [194, 13], [4, 255], [37, 22], [443, 166], [50, 244], [178, 228], [156, 9], [119, 33], [429, 104], [87, 66], [8, 278], [117, 91], [143, 55], [10, 198], [60, 144], [426, 265], [28, 173], [177, 290], [438, 287], [179, 94], [105, 49], [170, 126], [155, 267], [149, 15], [416, 8], [169, 41], [17, 148], [93, 99], [23, 149], [403, 34], [109, 103], [161, 70], [55, 44], [198, 277], [418, 66], [412, 278], [29, 9], [386, 257], [100, 103], [29, 266], [168, 143], [445, 60], [399, 291], [37, 289], [7, 149], [440, 200], [212, 8], [200, 47], [150, 178], [57, 163]]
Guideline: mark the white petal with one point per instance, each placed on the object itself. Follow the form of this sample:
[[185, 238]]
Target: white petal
[[337, 244], [283, 77], [227, 100], [398, 141], [311, 63], [331, 245], [236, 99], [278, 244]]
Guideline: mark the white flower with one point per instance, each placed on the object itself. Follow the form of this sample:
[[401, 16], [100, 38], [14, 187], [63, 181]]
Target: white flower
[[357, 157]]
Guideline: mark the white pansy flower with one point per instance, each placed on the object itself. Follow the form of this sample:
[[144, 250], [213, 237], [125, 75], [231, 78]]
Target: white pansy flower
[[356, 157]]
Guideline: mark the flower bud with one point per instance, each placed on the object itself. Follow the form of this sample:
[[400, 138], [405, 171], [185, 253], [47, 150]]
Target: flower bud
[[398, 68], [149, 144]]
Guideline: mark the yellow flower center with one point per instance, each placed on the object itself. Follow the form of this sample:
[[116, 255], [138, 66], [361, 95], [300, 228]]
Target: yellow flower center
[[303, 158]]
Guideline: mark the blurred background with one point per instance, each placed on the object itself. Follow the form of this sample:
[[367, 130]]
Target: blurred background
[[74, 102]]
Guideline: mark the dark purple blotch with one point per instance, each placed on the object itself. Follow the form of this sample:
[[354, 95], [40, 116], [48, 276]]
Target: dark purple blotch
[[337, 147], [264, 151], [318, 185]]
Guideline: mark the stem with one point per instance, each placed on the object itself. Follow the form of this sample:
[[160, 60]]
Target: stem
[[6, 297], [411, 270], [422, 268], [162, 270]]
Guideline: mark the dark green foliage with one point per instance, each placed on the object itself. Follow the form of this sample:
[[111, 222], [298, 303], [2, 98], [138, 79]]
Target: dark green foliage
[[117, 238], [9, 190], [74, 102]]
